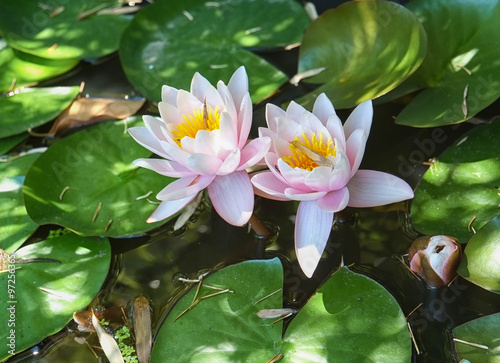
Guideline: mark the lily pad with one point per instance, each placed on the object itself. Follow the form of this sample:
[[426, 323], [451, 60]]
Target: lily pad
[[366, 48], [350, 319], [7, 143], [87, 183], [462, 187], [15, 225], [168, 41], [41, 296], [480, 264], [461, 60], [483, 332], [33, 107], [20, 69], [62, 30]]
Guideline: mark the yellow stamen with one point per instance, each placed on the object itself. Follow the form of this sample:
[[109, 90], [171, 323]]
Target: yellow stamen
[[309, 154], [204, 118]]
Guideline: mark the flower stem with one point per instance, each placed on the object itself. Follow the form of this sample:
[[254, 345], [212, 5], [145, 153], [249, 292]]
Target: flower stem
[[258, 227]]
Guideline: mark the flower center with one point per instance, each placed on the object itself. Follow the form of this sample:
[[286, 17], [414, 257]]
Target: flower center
[[310, 153], [204, 118]]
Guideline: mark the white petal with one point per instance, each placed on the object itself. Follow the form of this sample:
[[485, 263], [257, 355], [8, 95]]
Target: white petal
[[230, 163], [370, 188], [355, 149], [360, 118], [273, 114], [336, 130], [187, 103], [164, 167], [184, 187], [323, 108], [228, 132], [232, 197], [254, 152], [244, 120], [203, 164], [199, 85], [147, 140], [295, 194], [269, 186], [169, 208], [312, 229], [238, 85], [169, 94], [295, 111]]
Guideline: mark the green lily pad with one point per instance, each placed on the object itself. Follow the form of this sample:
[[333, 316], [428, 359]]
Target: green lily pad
[[350, 319], [87, 183], [26, 68], [41, 296], [15, 225], [7, 143], [169, 41], [53, 29], [33, 107], [484, 332], [480, 264], [462, 185], [462, 53], [366, 47]]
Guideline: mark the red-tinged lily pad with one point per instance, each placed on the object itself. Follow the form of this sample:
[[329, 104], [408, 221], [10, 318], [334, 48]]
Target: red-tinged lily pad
[[481, 263], [460, 191], [87, 183], [44, 283], [168, 41], [460, 74], [366, 48], [351, 318]]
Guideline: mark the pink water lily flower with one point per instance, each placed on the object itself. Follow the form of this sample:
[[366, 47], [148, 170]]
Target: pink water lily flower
[[202, 139], [315, 159]]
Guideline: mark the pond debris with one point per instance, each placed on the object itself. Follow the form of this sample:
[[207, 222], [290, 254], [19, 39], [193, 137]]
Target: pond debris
[[470, 228], [188, 15], [467, 70], [462, 141], [56, 11], [58, 294], [96, 213], [476, 345], [142, 328], [108, 343], [267, 296], [218, 66], [36, 150], [415, 309], [300, 76], [311, 11], [275, 359], [152, 202], [197, 300], [281, 313], [253, 30], [86, 14], [412, 337], [144, 196], [465, 111], [108, 225], [63, 192]]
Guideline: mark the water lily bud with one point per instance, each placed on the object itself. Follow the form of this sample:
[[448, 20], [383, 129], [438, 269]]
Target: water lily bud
[[435, 259]]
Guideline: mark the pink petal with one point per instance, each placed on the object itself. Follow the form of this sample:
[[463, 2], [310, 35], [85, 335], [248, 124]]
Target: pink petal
[[206, 142], [323, 108], [232, 197], [169, 208], [238, 85], [155, 126], [199, 85], [268, 186], [341, 172], [254, 152], [360, 118], [312, 229], [355, 149], [147, 140], [334, 201], [164, 167], [187, 103], [174, 152], [336, 130], [295, 111], [295, 177], [184, 187], [273, 114], [203, 164], [370, 188], [214, 99], [170, 115], [230, 163], [295, 194]]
